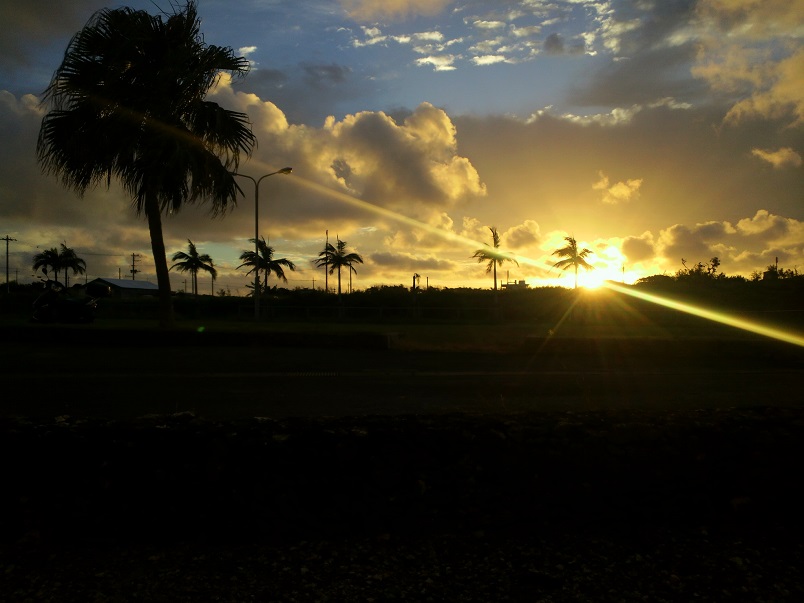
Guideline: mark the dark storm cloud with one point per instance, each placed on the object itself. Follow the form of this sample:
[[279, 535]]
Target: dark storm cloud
[[308, 92], [32, 23], [325, 76], [645, 78], [554, 44], [654, 54], [659, 22]]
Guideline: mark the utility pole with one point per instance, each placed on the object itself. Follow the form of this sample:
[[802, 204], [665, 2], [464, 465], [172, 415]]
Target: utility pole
[[134, 258], [7, 239], [326, 258]]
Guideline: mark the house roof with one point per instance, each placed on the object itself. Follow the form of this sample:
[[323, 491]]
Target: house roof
[[124, 283]]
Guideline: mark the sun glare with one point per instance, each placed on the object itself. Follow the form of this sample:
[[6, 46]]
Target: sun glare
[[595, 279], [611, 276]]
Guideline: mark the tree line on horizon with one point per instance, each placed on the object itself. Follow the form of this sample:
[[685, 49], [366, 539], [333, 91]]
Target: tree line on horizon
[[335, 258], [260, 261]]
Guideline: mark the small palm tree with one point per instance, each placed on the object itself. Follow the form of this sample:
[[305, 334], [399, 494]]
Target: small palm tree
[[262, 260], [68, 260], [336, 258], [572, 257], [493, 255], [129, 102], [49, 258], [192, 262]]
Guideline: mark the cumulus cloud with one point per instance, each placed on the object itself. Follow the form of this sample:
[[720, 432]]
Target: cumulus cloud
[[482, 24], [619, 192], [753, 49], [780, 158], [444, 62], [767, 225], [690, 244], [741, 247], [522, 236], [639, 248], [488, 59]]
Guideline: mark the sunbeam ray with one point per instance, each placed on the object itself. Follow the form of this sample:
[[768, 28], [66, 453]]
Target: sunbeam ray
[[381, 211], [714, 316]]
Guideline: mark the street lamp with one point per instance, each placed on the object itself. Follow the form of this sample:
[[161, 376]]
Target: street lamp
[[256, 182]]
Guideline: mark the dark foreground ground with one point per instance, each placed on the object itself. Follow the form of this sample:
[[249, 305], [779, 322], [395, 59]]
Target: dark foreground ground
[[660, 471]]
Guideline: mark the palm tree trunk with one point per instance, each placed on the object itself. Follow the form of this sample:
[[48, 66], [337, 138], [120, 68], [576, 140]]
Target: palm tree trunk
[[166, 318], [495, 274], [576, 276]]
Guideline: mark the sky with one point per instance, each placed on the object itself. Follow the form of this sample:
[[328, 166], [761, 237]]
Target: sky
[[653, 132]]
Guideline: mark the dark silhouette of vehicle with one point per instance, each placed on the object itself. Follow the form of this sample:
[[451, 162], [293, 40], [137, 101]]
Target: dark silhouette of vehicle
[[57, 304]]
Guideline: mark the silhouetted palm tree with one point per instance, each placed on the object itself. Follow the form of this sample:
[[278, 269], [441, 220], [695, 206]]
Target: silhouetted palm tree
[[68, 260], [264, 262], [336, 258], [49, 258], [192, 262], [128, 101], [572, 257], [493, 255]]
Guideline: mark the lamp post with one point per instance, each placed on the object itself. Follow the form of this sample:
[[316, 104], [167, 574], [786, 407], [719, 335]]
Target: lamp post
[[256, 182]]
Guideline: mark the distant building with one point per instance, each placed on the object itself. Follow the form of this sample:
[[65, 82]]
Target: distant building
[[514, 285], [126, 288]]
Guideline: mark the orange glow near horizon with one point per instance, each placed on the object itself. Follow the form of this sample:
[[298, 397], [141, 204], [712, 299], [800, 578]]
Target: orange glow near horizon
[[381, 211], [601, 278]]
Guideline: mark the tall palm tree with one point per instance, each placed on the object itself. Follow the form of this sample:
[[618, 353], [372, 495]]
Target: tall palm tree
[[128, 101], [68, 260], [493, 255], [335, 257], [192, 262], [48, 258], [573, 257], [263, 260]]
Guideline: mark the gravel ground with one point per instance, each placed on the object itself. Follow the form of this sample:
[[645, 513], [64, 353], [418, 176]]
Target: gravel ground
[[594, 506], [665, 565]]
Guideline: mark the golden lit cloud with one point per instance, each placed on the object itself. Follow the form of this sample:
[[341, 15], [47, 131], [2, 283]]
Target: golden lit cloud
[[522, 236], [370, 10], [772, 228], [783, 95], [754, 49], [779, 158], [619, 192]]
